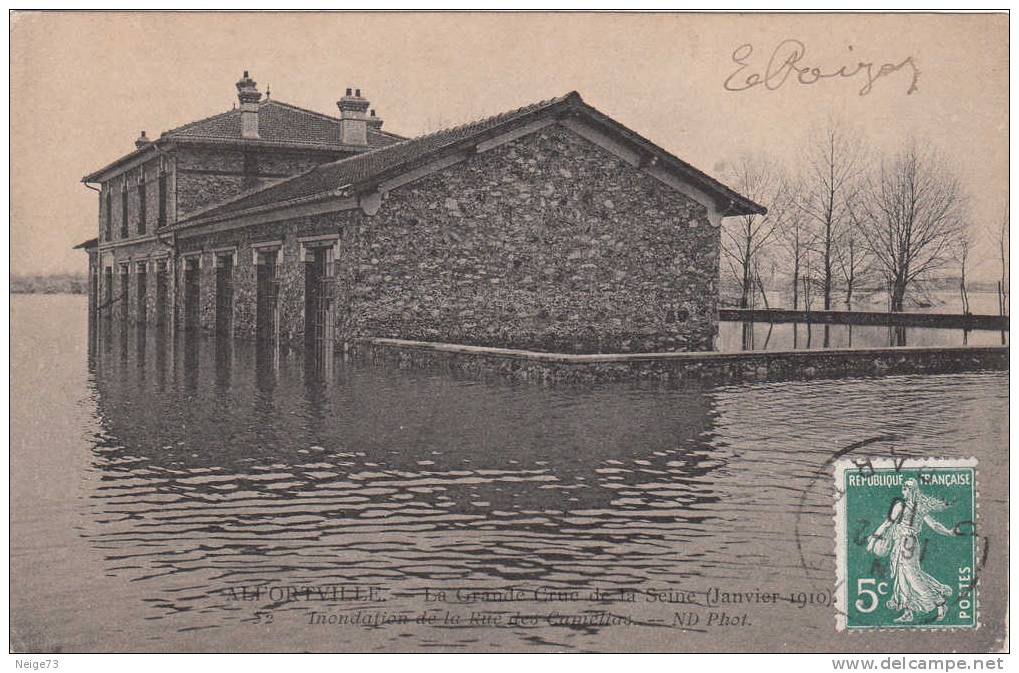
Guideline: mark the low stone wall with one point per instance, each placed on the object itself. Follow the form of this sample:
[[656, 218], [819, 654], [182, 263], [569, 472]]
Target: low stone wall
[[680, 368]]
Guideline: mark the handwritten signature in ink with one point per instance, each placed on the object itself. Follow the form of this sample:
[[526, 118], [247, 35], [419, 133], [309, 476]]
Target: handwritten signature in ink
[[786, 63]]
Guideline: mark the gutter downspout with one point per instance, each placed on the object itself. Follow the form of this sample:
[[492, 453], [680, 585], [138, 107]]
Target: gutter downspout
[[93, 276]]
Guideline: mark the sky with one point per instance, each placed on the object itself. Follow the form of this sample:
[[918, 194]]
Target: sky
[[84, 84]]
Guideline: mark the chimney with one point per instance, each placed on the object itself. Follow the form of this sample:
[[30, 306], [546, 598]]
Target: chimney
[[373, 121], [248, 95], [353, 119], [142, 141]]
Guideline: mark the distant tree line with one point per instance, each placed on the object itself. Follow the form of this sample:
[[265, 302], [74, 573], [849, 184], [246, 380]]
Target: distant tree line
[[846, 218], [59, 283]]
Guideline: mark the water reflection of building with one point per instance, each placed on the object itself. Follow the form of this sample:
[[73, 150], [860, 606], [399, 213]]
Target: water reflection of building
[[227, 472], [549, 227], [210, 407]]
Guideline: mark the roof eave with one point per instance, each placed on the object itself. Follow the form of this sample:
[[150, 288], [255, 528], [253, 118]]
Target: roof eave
[[168, 139], [731, 202], [95, 176], [728, 201], [261, 142], [211, 217], [462, 144], [744, 207]]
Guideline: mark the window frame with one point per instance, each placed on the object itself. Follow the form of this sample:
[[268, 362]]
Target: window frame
[[142, 205], [161, 222], [108, 220], [124, 231]]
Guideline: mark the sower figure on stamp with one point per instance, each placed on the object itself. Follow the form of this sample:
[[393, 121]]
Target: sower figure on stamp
[[913, 590]]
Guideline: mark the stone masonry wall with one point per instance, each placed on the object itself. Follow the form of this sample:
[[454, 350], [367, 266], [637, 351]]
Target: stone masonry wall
[[207, 176], [547, 243]]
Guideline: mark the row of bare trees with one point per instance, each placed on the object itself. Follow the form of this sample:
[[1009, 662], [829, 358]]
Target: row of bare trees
[[848, 218]]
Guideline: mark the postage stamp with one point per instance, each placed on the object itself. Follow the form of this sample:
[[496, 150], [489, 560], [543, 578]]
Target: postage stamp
[[906, 543]]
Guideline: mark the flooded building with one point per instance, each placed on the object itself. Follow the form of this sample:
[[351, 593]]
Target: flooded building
[[551, 227]]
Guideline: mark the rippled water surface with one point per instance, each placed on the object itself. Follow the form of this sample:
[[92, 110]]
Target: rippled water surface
[[155, 485]]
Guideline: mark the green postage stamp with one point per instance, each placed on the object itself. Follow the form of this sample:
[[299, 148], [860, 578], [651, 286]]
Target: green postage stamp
[[906, 544]]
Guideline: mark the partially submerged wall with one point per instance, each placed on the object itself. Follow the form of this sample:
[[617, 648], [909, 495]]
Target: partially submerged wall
[[683, 368], [549, 242]]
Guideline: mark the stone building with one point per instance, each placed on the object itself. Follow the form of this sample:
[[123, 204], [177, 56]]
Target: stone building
[[550, 227]]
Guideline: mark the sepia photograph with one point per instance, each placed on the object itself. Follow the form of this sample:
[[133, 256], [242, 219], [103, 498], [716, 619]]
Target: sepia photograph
[[509, 332]]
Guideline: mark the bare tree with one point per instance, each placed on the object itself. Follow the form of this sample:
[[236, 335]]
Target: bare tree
[[761, 285], [961, 255], [1002, 244], [745, 236], [796, 237], [912, 216], [854, 262], [808, 281], [854, 256], [835, 162]]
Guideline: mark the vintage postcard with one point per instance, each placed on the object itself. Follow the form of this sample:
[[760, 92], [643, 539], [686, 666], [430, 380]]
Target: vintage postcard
[[509, 332]]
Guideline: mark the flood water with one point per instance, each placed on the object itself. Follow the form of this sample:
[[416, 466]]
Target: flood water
[[177, 497], [736, 336]]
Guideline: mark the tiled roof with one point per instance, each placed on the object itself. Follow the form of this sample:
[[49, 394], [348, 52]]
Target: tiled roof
[[277, 122], [331, 176], [375, 165]]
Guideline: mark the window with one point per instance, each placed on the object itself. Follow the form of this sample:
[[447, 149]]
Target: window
[[162, 199], [142, 206], [125, 287], [141, 298], [318, 291], [108, 224], [224, 295], [191, 293], [161, 283], [123, 210], [267, 302], [107, 288], [93, 291]]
